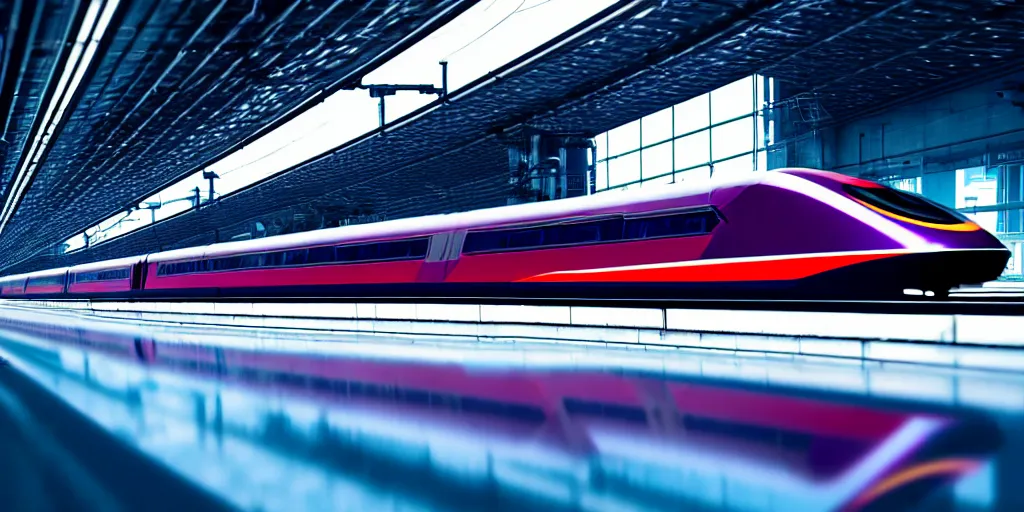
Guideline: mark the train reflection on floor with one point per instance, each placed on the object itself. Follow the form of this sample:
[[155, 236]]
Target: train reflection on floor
[[368, 427]]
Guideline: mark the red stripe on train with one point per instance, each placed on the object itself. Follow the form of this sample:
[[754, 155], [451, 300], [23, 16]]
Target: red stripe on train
[[757, 270]]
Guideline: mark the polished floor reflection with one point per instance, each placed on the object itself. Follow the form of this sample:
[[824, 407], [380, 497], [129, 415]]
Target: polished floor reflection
[[275, 421]]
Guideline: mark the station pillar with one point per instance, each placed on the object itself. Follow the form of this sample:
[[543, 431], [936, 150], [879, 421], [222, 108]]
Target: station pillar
[[545, 166]]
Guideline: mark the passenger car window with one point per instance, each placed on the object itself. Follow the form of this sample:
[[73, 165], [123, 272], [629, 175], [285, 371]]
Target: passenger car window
[[689, 223]]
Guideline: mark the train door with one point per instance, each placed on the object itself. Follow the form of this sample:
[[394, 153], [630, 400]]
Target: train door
[[433, 267], [442, 254], [454, 250], [138, 276]]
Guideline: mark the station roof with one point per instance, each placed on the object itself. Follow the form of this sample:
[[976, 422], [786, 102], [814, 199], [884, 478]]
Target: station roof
[[177, 83], [853, 57]]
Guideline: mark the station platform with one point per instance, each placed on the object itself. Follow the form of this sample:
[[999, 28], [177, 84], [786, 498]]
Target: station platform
[[296, 417], [972, 334]]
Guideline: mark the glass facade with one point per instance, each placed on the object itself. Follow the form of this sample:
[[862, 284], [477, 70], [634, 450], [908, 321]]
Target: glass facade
[[989, 195], [727, 131], [992, 197], [721, 132]]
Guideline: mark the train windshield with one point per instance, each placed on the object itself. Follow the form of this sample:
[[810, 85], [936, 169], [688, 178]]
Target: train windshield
[[907, 205]]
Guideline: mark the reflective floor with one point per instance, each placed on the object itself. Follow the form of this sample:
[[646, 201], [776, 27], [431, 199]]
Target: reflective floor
[[271, 420]]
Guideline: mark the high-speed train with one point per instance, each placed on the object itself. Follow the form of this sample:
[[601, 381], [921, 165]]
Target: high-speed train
[[786, 232]]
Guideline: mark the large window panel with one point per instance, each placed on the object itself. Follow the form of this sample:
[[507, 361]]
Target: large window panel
[[1012, 221], [657, 127], [734, 167], [692, 115], [624, 169], [658, 181], [624, 138], [657, 160], [602, 175], [692, 150], [761, 97], [733, 100], [698, 176], [976, 186], [680, 138], [759, 134], [732, 138], [602, 146], [765, 91]]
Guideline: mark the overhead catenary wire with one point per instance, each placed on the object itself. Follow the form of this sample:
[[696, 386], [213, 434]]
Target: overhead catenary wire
[[488, 31]]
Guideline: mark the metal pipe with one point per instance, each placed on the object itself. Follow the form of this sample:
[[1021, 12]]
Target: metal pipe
[[592, 178], [1002, 207], [444, 80]]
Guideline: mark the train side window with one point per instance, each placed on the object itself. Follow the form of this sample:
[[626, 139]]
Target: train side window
[[484, 241], [418, 248], [682, 224], [277, 258], [110, 275], [399, 249], [221, 264], [320, 255], [383, 251], [47, 281], [346, 253], [296, 257], [606, 230], [393, 250], [584, 232], [572, 234], [250, 261], [102, 275], [525, 238], [368, 252]]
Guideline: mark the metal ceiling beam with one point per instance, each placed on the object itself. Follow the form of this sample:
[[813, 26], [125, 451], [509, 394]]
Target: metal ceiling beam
[[62, 96], [346, 82], [7, 40], [945, 36], [837, 35], [47, 96], [20, 45], [439, 19], [713, 33]]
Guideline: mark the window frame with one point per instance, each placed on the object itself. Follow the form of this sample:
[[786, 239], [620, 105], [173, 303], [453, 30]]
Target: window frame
[[34, 281], [79, 275], [624, 217], [209, 263]]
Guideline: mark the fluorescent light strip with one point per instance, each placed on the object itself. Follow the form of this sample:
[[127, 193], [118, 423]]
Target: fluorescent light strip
[[95, 23]]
